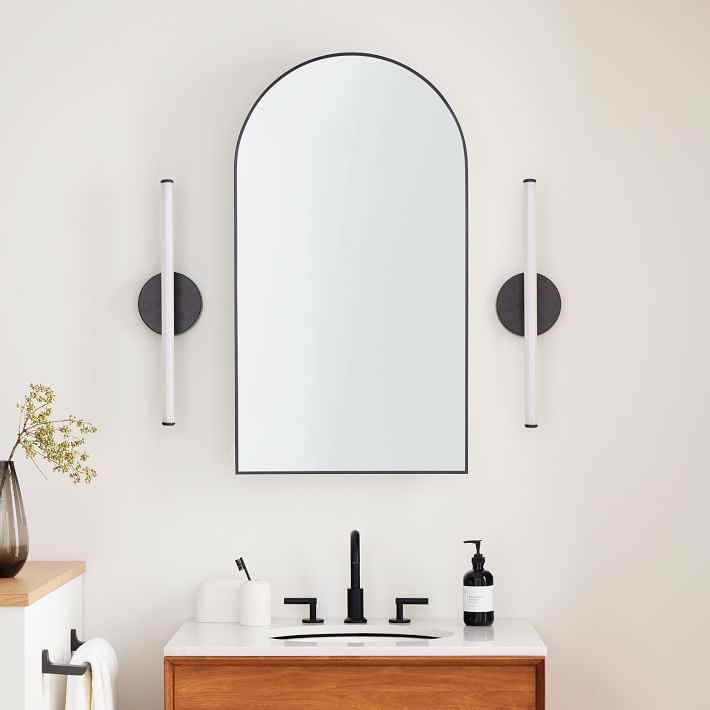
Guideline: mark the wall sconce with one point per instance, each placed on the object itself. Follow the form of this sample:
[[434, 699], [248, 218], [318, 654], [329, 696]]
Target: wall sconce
[[529, 304], [170, 304]]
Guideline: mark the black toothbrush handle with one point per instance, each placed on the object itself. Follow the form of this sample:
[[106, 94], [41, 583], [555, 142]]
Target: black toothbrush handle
[[241, 566]]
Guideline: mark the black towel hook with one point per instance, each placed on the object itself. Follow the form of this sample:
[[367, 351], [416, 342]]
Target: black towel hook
[[74, 642], [64, 669]]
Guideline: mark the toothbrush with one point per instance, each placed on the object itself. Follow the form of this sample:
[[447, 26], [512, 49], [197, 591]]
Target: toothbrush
[[242, 567]]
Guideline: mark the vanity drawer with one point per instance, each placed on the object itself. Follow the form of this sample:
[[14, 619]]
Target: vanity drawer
[[320, 683]]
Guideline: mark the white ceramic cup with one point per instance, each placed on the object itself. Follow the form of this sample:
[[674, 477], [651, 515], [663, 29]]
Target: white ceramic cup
[[255, 603]]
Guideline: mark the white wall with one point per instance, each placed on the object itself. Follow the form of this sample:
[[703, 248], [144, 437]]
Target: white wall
[[595, 525]]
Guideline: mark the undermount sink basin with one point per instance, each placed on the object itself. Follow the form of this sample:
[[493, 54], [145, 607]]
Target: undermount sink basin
[[361, 634]]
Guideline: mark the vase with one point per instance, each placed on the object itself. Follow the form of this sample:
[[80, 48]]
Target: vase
[[14, 542]]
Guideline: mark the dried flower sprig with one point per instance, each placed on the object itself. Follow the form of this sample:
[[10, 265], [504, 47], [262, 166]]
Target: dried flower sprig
[[58, 441]]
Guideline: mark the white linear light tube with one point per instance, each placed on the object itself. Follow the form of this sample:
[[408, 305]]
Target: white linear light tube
[[167, 296], [530, 301]]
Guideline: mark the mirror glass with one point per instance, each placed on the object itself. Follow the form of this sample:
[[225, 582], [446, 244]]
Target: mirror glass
[[351, 274]]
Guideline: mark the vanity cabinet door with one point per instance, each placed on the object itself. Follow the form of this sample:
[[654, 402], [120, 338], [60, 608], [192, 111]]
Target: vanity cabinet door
[[322, 683], [38, 608], [47, 625]]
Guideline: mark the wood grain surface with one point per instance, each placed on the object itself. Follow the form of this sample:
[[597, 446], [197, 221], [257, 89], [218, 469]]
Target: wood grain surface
[[385, 683], [36, 580]]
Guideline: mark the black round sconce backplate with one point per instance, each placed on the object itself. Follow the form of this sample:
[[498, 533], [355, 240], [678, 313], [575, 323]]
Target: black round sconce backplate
[[188, 303], [509, 304]]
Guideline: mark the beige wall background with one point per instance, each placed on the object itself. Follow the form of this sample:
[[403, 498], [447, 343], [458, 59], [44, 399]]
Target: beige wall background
[[595, 525]]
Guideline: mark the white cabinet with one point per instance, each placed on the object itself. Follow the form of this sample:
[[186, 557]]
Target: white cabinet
[[38, 609]]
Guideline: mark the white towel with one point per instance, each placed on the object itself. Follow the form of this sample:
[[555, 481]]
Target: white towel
[[97, 688]]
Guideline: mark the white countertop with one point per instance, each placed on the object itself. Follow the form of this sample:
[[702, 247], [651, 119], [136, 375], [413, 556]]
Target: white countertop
[[507, 637]]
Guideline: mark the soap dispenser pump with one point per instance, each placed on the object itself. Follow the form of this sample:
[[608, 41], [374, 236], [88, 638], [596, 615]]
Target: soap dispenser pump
[[477, 591]]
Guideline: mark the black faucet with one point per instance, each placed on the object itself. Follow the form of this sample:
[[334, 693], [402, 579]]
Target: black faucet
[[356, 606]]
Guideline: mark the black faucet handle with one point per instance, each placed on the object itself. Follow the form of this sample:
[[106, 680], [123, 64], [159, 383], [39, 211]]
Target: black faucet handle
[[312, 602], [400, 602]]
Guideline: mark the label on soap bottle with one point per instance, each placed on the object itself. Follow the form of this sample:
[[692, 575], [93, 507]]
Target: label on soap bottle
[[478, 599]]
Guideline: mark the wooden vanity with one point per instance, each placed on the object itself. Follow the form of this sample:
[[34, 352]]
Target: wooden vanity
[[255, 671]]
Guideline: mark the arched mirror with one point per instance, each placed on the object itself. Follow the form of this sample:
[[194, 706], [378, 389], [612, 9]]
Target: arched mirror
[[351, 274]]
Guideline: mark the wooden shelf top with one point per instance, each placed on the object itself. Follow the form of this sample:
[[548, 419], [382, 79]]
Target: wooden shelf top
[[36, 580]]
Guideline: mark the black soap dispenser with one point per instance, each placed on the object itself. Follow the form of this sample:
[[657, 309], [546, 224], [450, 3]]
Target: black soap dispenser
[[477, 591]]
